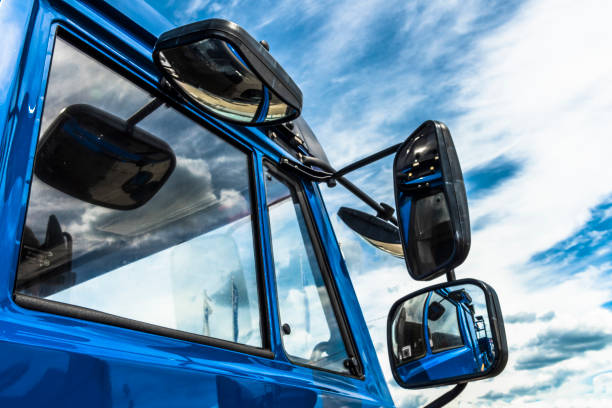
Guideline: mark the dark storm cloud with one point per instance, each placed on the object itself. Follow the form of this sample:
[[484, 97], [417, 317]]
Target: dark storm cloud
[[557, 345]]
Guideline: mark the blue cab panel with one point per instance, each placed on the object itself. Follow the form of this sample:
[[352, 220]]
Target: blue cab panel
[[59, 352]]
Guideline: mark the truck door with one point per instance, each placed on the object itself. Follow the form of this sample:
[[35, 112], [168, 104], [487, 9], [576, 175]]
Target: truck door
[[170, 303]]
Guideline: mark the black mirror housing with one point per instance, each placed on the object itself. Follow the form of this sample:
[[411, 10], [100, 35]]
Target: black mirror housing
[[446, 334], [220, 68], [99, 158], [431, 202]]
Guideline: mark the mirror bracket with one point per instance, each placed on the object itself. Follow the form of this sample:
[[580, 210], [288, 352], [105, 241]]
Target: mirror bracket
[[447, 397], [143, 112], [380, 208]]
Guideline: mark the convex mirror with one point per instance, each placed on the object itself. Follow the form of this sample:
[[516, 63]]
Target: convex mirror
[[224, 71], [431, 203], [96, 157], [445, 334], [373, 230]]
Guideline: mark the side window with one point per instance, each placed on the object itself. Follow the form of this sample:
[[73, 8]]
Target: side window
[[444, 331], [408, 338], [184, 260], [311, 335]]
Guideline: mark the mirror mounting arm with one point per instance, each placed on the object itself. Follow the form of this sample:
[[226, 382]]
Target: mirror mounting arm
[[450, 275], [367, 160], [447, 397], [383, 211], [143, 112]]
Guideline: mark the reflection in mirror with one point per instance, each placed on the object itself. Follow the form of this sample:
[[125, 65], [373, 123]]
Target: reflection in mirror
[[373, 230], [185, 260], [212, 72], [431, 203], [98, 158], [446, 332]]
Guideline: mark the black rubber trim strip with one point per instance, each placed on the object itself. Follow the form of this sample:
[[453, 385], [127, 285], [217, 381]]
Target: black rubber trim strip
[[82, 313]]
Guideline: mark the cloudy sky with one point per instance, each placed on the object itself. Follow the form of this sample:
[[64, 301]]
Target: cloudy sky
[[526, 89]]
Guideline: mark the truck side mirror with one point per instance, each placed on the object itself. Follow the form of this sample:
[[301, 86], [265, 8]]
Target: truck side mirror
[[431, 203], [373, 230], [99, 158], [216, 65], [435, 339]]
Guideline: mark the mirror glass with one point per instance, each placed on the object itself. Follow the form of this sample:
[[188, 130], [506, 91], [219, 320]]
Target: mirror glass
[[431, 233], [444, 333], [96, 157], [373, 230], [431, 202], [213, 74]]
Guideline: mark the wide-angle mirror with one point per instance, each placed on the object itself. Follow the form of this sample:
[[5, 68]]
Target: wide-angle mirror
[[373, 230], [98, 158], [445, 334], [220, 68], [431, 203]]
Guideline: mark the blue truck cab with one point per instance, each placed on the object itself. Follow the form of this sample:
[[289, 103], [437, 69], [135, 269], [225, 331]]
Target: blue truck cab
[[157, 253]]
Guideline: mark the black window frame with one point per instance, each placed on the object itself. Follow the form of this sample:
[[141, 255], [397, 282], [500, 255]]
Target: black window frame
[[295, 183], [99, 52]]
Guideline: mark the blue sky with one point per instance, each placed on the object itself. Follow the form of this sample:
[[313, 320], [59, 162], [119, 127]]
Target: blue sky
[[526, 89]]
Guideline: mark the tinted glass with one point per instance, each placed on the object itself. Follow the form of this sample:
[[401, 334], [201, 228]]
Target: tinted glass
[[407, 336], [444, 332], [432, 243], [304, 303], [184, 260]]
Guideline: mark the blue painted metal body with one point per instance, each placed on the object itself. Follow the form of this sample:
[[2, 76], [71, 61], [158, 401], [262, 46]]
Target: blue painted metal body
[[53, 360], [464, 360]]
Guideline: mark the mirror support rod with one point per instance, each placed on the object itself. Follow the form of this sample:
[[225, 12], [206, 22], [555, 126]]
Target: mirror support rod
[[367, 160], [383, 211], [447, 397], [143, 112], [450, 275]]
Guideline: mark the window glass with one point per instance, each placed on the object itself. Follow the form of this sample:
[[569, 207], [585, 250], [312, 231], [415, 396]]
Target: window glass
[[444, 332], [184, 260], [408, 337], [310, 329]]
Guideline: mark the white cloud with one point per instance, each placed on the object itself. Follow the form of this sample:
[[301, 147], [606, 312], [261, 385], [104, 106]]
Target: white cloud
[[537, 89]]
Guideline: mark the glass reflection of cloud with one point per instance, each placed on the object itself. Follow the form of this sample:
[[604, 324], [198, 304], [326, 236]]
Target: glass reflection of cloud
[[185, 257]]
